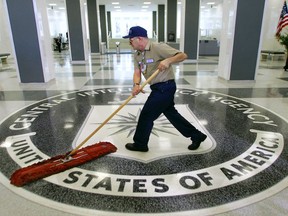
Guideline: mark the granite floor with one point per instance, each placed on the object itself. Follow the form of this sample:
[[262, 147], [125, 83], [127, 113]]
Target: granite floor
[[240, 169]]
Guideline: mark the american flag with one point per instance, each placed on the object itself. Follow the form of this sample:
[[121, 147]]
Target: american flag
[[283, 19]]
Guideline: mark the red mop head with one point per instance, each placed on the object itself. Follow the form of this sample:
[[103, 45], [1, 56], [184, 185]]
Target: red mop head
[[60, 163]]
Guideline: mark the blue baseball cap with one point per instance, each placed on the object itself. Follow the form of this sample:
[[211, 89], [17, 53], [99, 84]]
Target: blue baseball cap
[[136, 31]]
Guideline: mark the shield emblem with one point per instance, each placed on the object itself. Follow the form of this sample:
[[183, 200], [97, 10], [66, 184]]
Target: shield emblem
[[165, 140]]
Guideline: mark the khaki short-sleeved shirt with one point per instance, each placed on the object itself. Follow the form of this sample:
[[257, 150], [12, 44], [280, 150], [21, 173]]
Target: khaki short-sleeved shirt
[[148, 61]]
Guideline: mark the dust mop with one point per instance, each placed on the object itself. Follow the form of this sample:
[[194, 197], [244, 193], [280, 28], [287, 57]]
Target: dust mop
[[72, 159]]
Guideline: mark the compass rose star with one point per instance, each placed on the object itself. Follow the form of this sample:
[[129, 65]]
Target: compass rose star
[[127, 123]]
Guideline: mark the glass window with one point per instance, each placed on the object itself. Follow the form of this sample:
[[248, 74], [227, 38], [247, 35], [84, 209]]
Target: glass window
[[121, 22]]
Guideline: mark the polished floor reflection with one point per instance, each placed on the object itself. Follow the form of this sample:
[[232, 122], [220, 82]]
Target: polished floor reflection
[[240, 169]]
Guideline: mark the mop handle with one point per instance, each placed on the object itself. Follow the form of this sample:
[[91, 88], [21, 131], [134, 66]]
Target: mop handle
[[114, 113]]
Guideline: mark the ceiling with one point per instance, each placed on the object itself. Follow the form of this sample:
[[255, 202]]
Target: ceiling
[[129, 5]]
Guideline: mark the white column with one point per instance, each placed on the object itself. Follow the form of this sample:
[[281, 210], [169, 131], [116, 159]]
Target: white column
[[5, 44], [182, 23], [227, 38], [83, 9], [45, 41]]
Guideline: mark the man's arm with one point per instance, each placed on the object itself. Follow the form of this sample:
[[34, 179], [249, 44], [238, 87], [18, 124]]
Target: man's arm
[[136, 81], [179, 57], [137, 76]]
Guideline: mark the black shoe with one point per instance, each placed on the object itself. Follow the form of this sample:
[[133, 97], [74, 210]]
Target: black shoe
[[133, 147], [196, 143]]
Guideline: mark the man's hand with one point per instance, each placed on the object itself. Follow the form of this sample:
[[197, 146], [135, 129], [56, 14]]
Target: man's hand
[[164, 65], [136, 90], [179, 57]]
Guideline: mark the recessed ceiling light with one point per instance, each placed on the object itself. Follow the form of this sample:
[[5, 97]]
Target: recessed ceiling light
[[210, 3], [115, 3], [146, 3]]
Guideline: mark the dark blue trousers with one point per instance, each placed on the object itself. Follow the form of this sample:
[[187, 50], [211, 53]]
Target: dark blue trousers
[[161, 100]]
